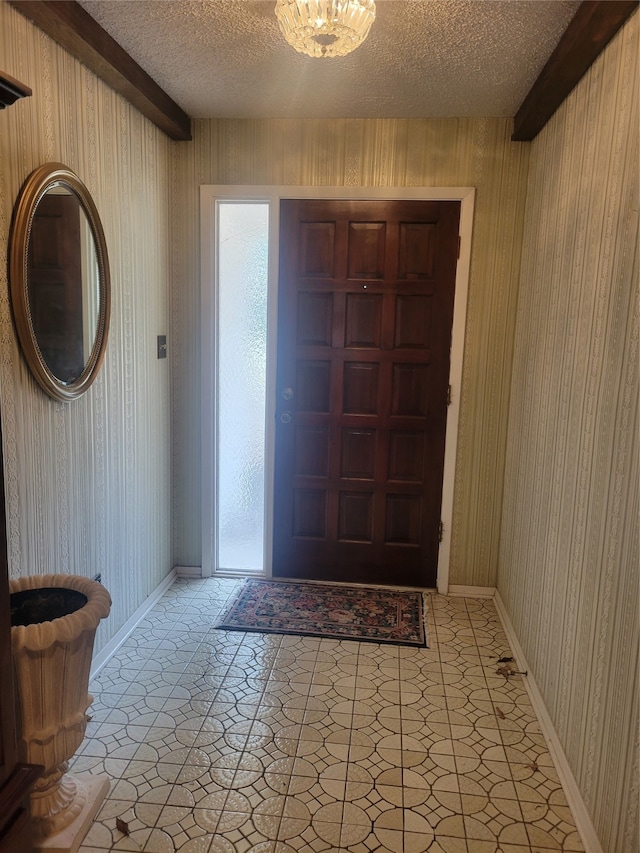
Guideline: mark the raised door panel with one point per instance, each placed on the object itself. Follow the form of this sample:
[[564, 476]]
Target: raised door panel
[[363, 323], [317, 241], [416, 258], [358, 454], [410, 390], [315, 318], [355, 522], [413, 321], [367, 244], [361, 388], [310, 513], [312, 451], [313, 386], [406, 456]]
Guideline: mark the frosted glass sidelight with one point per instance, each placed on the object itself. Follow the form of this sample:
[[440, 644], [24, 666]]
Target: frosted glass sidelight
[[243, 236]]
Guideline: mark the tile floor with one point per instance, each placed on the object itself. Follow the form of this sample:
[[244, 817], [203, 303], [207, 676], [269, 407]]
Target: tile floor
[[223, 742]]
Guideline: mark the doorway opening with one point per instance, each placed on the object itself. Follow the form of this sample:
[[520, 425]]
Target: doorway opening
[[240, 230]]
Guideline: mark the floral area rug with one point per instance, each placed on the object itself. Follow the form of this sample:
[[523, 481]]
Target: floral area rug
[[325, 610]]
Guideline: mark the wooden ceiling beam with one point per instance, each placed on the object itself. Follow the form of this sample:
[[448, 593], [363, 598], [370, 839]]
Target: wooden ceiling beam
[[11, 90], [72, 27], [593, 26]]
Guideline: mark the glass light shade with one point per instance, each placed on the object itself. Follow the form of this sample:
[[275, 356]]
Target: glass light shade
[[325, 27]]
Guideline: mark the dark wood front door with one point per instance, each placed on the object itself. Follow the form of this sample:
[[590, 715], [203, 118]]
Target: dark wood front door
[[365, 309]]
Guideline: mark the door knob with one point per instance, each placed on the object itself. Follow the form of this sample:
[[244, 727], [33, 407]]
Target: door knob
[[285, 417], [287, 393]]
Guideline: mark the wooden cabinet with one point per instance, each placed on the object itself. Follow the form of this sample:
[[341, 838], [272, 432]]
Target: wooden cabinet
[[16, 779]]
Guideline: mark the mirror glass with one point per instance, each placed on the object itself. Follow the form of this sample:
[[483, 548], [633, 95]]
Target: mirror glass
[[60, 289]]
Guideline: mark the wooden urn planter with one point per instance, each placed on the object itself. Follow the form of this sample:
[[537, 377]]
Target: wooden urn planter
[[53, 625]]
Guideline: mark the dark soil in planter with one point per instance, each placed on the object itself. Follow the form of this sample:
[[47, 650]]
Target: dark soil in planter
[[32, 606]]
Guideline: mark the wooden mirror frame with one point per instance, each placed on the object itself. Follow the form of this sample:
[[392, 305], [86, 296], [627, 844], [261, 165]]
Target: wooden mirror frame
[[35, 187]]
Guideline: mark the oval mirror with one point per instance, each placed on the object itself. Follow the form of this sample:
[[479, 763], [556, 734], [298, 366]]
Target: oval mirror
[[59, 281]]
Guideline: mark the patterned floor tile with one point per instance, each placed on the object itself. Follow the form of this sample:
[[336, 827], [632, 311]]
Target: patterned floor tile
[[222, 742]]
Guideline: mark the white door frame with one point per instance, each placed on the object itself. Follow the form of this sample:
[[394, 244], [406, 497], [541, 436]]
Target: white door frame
[[209, 195]]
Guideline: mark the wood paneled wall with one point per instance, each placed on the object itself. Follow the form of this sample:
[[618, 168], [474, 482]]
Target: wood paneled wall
[[88, 482], [569, 555]]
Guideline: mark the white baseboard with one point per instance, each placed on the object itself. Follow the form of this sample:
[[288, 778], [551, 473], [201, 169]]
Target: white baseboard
[[120, 636], [581, 816], [188, 571], [472, 591]]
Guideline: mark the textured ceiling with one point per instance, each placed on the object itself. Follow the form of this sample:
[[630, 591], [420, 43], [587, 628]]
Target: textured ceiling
[[429, 58]]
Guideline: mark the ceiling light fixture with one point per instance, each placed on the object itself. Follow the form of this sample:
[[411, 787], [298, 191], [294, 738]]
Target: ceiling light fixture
[[325, 27]]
